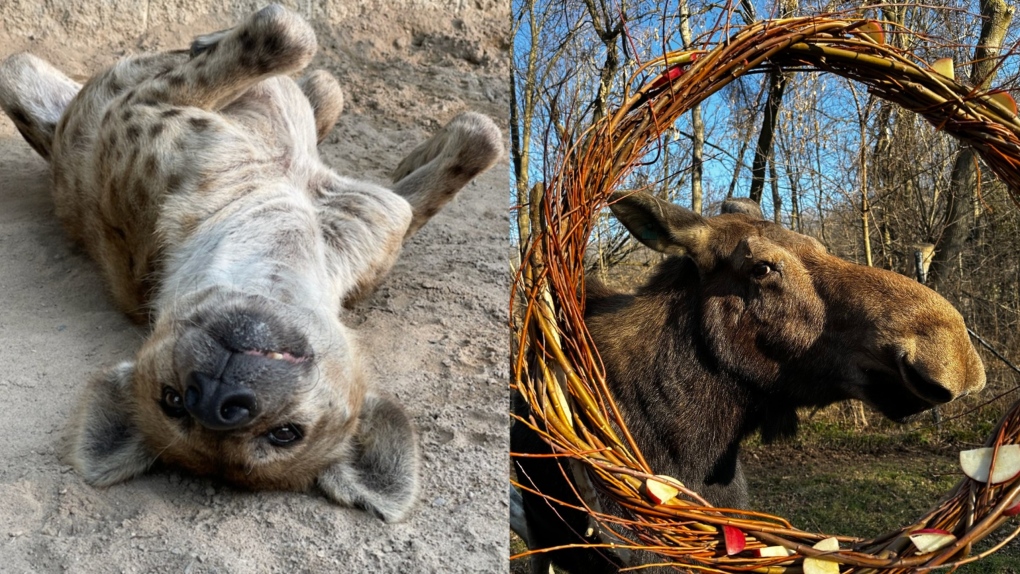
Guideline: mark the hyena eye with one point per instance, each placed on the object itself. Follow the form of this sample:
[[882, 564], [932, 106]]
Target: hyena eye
[[285, 435], [172, 403]]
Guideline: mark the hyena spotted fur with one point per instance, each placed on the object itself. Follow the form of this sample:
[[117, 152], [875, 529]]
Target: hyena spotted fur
[[193, 179]]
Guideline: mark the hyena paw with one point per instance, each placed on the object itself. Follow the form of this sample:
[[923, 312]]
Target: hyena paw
[[466, 146], [275, 38], [327, 99]]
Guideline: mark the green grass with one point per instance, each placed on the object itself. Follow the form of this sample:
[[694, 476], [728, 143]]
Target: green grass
[[834, 479], [837, 481]]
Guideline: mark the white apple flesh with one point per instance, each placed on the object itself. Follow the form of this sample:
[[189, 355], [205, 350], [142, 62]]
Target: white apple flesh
[[820, 565], [977, 463], [931, 539], [661, 491], [772, 552], [944, 66]]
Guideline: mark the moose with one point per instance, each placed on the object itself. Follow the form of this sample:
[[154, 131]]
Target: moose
[[742, 324]]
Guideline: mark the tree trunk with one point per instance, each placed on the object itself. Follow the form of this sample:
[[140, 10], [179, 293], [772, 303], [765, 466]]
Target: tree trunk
[[697, 126], [777, 85], [763, 151], [959, 217]]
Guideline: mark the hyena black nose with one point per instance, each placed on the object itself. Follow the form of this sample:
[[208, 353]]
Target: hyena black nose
[[217, 405]]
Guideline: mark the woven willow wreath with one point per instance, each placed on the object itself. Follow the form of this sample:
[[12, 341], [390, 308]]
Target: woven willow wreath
[[556, 367]]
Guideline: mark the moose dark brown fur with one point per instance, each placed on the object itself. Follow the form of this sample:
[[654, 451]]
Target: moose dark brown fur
[[745, 323]]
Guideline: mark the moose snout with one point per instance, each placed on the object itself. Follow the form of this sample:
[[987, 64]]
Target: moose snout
[[942, 366], [218, 405]]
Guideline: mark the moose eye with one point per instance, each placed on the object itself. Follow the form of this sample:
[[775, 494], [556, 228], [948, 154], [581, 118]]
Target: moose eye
[[761, 269], [172, 403], [285, 435]]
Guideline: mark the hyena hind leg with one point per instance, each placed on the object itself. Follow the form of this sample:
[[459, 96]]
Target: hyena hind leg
[[34, 95], [432, 174], [225, 64], [327, 99]]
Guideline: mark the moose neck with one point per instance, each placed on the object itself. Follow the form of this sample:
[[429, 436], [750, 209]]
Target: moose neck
[[266, 244], [661, 371]]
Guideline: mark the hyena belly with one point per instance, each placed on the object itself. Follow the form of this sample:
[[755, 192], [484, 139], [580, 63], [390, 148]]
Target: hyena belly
[[121, 154]]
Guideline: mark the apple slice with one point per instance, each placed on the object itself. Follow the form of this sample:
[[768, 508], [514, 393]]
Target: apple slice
[[931, 539], [944, 66], [1012, 510], [1004, 99], [814, 565], [976, 463], [773, 552], [871, 30], [672, 73], [662, 491], [735, 539]]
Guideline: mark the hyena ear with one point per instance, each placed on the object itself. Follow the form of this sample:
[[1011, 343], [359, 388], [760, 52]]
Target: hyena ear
[[103, 443], [381, 472]]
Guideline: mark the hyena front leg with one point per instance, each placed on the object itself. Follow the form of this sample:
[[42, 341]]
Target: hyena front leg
[[35, 94], [327, 99], [364, 227], [437, 169], [271, 42]]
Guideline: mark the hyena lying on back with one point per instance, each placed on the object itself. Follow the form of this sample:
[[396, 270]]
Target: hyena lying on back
[[193, 179]]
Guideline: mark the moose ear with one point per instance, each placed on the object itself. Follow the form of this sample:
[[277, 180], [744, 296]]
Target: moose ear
[[380, 473], [743, 205], [103, 443], [659, 224]]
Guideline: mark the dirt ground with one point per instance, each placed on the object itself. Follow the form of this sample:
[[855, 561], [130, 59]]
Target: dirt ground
[[435, 331]]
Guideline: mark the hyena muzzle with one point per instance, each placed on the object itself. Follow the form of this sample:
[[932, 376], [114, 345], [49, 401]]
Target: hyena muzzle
[[193, 179]]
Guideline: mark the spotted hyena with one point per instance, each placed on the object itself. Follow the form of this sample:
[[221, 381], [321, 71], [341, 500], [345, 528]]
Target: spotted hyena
[[193, 179]]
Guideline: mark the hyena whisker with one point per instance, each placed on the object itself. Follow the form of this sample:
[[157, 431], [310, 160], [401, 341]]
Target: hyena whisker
[[160, 453]]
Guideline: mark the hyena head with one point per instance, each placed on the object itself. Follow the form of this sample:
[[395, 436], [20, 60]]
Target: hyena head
[[261, 393]]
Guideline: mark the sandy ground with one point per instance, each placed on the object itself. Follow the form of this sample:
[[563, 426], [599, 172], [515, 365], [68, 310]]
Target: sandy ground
[[436, 329]]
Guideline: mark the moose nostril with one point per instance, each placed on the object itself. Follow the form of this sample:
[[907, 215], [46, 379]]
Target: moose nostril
[[921, 386]]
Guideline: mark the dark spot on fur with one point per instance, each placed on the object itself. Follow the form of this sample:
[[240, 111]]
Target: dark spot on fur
[[155, 130], [248, 44], [175, 80], [148, 102], [107, 115], [172, 112], [457, 170], [151, 164], [249, 59], [173, 183], [200, 63], [199, 124], [132, 133], [130, 95], [127, 114], [272, 44], [114, 85]]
